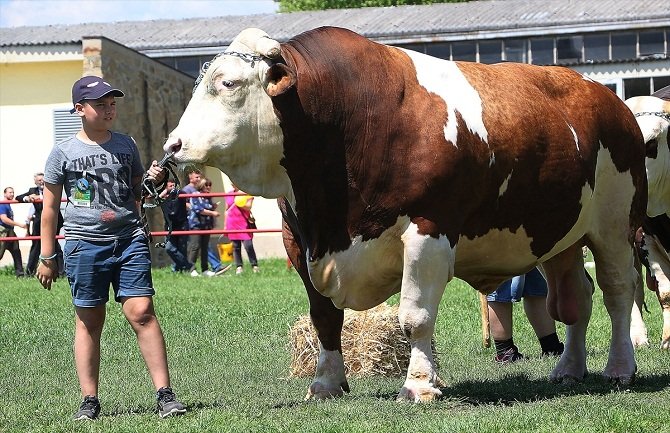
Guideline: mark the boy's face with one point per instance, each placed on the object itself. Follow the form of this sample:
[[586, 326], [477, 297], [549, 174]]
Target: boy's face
[[98, 113], [9, 194]]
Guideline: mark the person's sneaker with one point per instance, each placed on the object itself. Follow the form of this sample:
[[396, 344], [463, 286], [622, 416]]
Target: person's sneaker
[[167, 404], [194, 273], [89, 409], [255, 269], [509, 356], [239, 270], [208, 273], [223, 270]]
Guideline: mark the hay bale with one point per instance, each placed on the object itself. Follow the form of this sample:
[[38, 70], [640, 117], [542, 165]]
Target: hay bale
[[372, 344]]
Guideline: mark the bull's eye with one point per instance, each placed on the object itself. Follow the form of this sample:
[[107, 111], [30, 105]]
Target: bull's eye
[[227, 84]]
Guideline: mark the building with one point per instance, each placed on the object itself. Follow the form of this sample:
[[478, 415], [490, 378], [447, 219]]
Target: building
[[622, 43]]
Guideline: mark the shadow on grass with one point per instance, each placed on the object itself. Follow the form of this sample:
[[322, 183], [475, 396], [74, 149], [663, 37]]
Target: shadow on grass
[[521, 389]]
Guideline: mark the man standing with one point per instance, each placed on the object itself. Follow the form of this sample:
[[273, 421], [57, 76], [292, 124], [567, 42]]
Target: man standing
[[7, 225], [35, 196]]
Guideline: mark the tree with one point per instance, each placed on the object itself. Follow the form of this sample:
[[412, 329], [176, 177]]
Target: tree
[[315, 5]]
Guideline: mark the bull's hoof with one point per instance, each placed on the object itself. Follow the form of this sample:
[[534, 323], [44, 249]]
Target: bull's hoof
[[620, 379], [419, 394], [320, 391], [567, 379], [665, 344], [639, 340]]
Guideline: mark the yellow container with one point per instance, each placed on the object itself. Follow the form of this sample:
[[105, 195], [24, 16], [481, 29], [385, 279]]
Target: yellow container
[[225, 251]]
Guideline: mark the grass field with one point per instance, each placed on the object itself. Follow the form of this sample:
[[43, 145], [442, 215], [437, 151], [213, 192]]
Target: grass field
[[228, 349]]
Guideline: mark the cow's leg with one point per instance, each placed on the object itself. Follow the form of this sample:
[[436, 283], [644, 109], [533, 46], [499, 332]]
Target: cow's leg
[[660, 272], [638, 330], [617, 276], [428, 267], [330, 379], [569, 300]]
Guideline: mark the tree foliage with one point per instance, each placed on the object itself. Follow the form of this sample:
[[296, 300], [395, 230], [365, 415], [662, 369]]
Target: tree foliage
[[314, 5]]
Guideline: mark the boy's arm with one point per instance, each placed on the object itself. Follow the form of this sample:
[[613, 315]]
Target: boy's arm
[[47, 271]]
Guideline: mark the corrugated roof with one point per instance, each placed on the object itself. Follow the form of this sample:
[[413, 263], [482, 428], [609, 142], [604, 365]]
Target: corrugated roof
[[376, 23]]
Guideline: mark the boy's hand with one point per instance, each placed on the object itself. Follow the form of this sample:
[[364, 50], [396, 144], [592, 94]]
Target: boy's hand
[[156, 173]]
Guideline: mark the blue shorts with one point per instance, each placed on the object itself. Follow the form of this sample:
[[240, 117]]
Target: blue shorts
[[92, 265], [530, 284]]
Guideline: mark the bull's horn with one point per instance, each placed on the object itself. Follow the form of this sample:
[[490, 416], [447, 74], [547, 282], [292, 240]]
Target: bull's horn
[[255, 41], [268, 47]]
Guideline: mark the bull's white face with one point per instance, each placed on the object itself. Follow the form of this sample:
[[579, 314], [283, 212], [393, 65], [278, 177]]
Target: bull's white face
[[653, 116], [230, 124]]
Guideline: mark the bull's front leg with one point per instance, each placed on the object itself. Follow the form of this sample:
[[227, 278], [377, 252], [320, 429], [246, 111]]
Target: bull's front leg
[[662, 289], [330, 379], [428, 267]]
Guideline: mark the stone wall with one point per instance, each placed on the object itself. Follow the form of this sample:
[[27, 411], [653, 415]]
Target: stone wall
[[156, 97]]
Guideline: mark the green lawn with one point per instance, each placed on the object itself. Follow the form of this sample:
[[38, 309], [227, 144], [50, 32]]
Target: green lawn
[[228, 349]]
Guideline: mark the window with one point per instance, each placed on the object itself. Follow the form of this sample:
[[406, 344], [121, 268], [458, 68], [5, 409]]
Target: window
[[636, 87], [490, 51], [189, 65], [652, 43], [542, 51], [464, 51], [420, 48], [65, 125], [438, 49], [569, 49], [660, 82], [623, 46], [596, 48], [515, 50]]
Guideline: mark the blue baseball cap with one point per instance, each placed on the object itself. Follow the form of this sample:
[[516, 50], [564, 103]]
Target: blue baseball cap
[[90, 88]]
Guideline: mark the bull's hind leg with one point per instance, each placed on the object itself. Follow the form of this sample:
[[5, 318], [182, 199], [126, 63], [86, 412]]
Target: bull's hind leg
[[569, 300], [428, 266], [617, 278]]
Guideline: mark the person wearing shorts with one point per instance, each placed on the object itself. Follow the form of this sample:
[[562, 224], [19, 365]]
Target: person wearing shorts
[[105, 244], [532, 288]]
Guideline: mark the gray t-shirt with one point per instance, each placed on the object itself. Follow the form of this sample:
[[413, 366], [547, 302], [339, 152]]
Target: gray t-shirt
[[97, 180]]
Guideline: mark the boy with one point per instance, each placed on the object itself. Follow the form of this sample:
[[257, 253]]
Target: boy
[[101, 172]]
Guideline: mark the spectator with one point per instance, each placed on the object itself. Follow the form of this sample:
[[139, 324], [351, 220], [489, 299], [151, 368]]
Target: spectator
[[194, 177], [532, 287], [35, 195], [175, 212], [201, 217], [101, 172], [238, 214], [7, 225]]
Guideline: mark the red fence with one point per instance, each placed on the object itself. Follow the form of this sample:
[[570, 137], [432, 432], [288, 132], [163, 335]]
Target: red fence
[[160, 233]]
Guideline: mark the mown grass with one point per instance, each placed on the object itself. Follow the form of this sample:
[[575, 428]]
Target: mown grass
[[227, 343]]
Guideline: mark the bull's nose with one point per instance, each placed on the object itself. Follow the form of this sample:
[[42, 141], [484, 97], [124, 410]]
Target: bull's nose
[[172, 147]]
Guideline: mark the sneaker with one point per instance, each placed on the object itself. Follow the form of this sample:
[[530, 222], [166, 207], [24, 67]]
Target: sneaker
[[167, 404], [239, 270], [255, 269], [223, 270], [509, 356], [208, 273], [89, 408], [194, 273]]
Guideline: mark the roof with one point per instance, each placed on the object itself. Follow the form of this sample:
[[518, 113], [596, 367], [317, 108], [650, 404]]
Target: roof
[[388, 24]]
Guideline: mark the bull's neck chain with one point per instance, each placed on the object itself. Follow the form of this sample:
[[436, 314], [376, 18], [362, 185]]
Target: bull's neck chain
[[660, 114], [251, 58]]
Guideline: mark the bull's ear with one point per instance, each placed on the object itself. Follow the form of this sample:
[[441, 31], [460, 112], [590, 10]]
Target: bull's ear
[[278, 79]]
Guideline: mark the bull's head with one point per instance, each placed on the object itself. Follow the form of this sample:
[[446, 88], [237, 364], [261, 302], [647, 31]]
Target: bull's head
[[653, 117], [230, 122]]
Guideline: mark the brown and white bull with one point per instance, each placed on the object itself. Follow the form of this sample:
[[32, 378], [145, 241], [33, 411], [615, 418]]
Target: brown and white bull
[[396, 171], [653, 116]]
